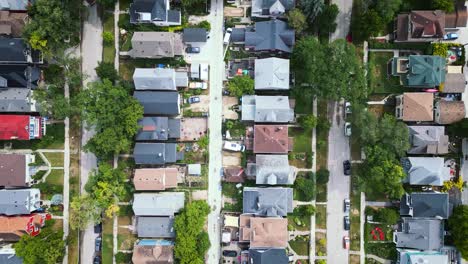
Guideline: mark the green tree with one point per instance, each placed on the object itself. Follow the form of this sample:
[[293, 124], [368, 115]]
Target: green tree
[[322, 176], [304, 210], [121, 257], [106, 70], [46, 248], [297, 20], [83, 210], [325, 23], [53, 102], [458, 226], [306, 188], [203, 243], [387, 9], [108, 38], [445, 5], [204, 24], [203, 142], [366, 24], [307, 121], [241, 85], [394, 135], [312, 8], [107, 3], [387, 215]]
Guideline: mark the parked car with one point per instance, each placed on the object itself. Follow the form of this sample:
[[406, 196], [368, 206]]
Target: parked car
[[198, 85], [347, 167], [229, 253], [98, 228], [347, 224], [97, 244], [348, 108], [97, 260], [346, 242], [347, 129], [192, 50], [227, 36], [451, 36], [347, 205], [233, 146], [193, 100]]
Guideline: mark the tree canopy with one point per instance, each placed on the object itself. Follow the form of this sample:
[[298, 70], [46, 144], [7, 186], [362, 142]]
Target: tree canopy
[[241, 85], [445, 5], [307, 121], [312, 8], [106, 70], [297, 20], [83, 210], [458, 226], [325, 22]]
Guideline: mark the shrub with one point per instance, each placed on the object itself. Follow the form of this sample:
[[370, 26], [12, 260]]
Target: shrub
[[440, 49], [323, 176], [121, 257], [108, 38]]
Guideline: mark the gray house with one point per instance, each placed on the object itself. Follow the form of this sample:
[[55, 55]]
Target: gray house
[[268, 201], [271, 170], [165, 79], [269, 36], [17, 100], [14, 5], [408, 256], [19, 202], [155, 45], [267, 109], [8, 256], [156, 12], [420, 234], [271, 8], [268, 256], [271, 74], [158, 128], [426, 171], [195, 35], [155, 227], [15, 51], [425, 204], [428, 140], [159, 103], [155, 153], [158, 204]]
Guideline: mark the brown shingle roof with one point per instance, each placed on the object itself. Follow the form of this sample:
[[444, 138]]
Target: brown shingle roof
[[13, 227], [13, 170], [421, 24], [457, 18], [418, 107], [155, 179], [264, 232], [234, 174], [153, 254], [271, 139], [12, 23], [450, 112]]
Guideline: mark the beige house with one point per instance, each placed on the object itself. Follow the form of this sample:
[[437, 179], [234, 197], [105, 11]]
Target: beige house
[[155, 179], [415, 107], [263, 232]]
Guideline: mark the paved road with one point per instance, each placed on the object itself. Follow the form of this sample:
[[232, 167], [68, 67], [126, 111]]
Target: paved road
[[91, 50], [344, 18], [338, 187]]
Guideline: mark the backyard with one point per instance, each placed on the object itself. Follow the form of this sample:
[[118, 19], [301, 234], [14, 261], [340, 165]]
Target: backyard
[[108, 53], [379, 79]]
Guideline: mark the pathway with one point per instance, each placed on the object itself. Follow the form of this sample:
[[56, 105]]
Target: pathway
[[314, 169], [379, 259], [378, 204], [361, 226]]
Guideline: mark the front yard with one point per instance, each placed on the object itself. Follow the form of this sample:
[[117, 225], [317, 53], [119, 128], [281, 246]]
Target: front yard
[[108, 53], [55, 158], [300, 245], [379, 80], [321, 216]]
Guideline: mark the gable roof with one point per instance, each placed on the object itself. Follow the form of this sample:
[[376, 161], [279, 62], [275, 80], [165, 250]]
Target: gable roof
[[20, 127], [428, 140], [12, 228], [153, 10], [418, 107], [425, 205], [159, 79], [16, 100], [158, 128], [194, 35], [271, 74], [267, 109], [271, 139], [157, 254], [425, 71], [421, 234], [7, 256], [449, 112], [156, 45], [267, 201], [263, 232], [426, 170], [14, 5], [272, 170], [268, 256], [157, 179], [272, 35], [13, 169], [13, 50], [155, 227], [19, 76], [158, 103], [158, 204], [263, 8], [19, 201], [155, 153], [418, 257], [420, 25]]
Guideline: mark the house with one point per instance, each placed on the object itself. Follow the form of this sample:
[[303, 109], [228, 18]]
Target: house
[[458, 18], [267, 109], [21, 127], [267, 201], [8, 256], [408, 256], [155, 153], [263, 232], [157, 12], [415, 107], [194, 169], [19, 201], [14, 170], [159, 253], [195, 35], [12, 23], [428, 140], [420, 26], [199, 71], [426, 171], [15, 51], [16, 100], [272, 170], [156, 45], [270, 36], [164, 79], [425, 204], [271, 139], [454, 83], [155, 227], [268, 256], [271, 74], [12, 228], [14, 5], [234, 174], [158, 179], [449, 112], [158, 128], [271, 8], [420, 71], [159, 103], [19, 76], [158, 204], [420, 234]]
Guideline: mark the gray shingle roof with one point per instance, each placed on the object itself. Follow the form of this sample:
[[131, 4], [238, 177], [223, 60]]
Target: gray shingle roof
[[273, 170], [418, 257], [156, 45], [16, 100], [426, 170], [13, 50], [10, 258], [425, 205], [158, 128], [158, 103], [268, 256], [16, 5], [267, 201], [19, 202], [19, 76], [428, 140], [421, 234], [264, 8], [155, 227], [271, 74], [158, 204], [155, 153], [238, 35], [194, 35], [156, 8], [159, 79], [266, 109], [270, 35]]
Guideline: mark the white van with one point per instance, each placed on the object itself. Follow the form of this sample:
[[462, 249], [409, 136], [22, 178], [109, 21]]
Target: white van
[[227, 36], [233, 146]]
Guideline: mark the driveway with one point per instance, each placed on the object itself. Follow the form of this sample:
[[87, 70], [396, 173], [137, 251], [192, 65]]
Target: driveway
[[228, 103], [202, 106], [338, 186], [344, 18], [232, 158]]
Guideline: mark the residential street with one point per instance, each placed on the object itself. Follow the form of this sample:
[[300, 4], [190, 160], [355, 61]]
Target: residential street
[[338, 186], [91, 50], [344, 18]]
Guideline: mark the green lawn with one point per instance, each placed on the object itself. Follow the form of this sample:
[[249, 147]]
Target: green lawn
[[321, 193], [55, 158], [126, 42], [302, 139], [108, 53], [300, 245], [107, 242], [354, 233], [55, 177], [321, 216], [298, 222], [379, 80], [125, 241], [322, 136], [124, 4], [303, 104], [320, 244]]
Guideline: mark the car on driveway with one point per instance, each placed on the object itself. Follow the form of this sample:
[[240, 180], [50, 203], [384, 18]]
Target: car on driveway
[[98, 228], [229, 253], [232, 146], [192, 50], [451, 36], [97, 244], [346, 242], [347, 167], [193, 100], [346, 222], [347, 129], [347, 205]]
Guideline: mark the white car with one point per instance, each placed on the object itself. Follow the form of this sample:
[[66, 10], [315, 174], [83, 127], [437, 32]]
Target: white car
[[227, 36], [198, 85], [347, 129], [348, 108], [347, 205], [232, 146]]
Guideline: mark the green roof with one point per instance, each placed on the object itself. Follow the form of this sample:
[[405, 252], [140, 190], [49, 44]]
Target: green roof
[[423, 71]]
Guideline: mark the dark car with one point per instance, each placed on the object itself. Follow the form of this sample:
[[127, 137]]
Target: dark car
[[193, 100], [346, 223], [347, 167], [192, 50], [97, 260], [98, 228], [97, 244], [229, 253]]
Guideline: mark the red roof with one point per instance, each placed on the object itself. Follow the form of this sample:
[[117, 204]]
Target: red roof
[[19, 126]]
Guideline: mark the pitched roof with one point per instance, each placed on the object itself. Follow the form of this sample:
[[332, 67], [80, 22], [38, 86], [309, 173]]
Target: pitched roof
[[13, 227], [159, 79], [20, 127], [238, 35], [234, 174], [272, 74], [13, 169], [426, 170], [420, 25], [424, 71], [19, 201], [158, 128], [158, 204], [425, 205], [271, 139], [155, 153], [13, 50], [268, 256], [157, 179], [157, 254], [155, 227], [158, 103], [273, 170], [156, 45], [457, 18], [421, 234], [262, 8], [267, 201], [19, 76], [266, 109], [263, 232], [417, 257], [194, 35], [153, 10], [449, 112], [16, 100], [454, 83], [428, 140], [9, 257], [418, 107], [270, 35], [14, 5]]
